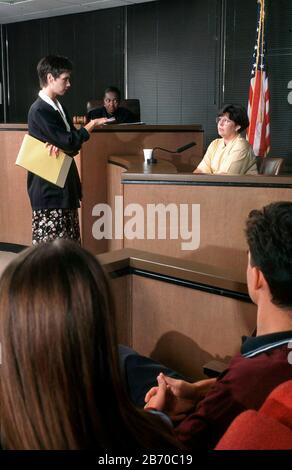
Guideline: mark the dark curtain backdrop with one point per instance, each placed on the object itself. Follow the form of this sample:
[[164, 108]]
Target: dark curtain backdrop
[[3, 73], [173, 52], [93, 41]]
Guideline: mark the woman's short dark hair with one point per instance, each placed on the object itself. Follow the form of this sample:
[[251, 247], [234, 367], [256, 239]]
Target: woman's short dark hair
[[61, 386], [237, 114], [113, 89], [54, 64], [269, 237]]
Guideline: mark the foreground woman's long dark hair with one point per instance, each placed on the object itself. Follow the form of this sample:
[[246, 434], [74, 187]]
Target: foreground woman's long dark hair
[[61, 386]]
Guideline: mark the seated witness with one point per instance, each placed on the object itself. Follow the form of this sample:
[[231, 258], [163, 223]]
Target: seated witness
[[262, 363], [111, 108], [231, 154], [61, 386]]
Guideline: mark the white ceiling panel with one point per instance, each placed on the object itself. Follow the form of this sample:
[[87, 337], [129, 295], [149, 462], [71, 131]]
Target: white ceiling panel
[[23, 10]]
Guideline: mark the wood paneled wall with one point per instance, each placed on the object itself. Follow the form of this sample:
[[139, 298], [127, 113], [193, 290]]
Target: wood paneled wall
[[176, 322]]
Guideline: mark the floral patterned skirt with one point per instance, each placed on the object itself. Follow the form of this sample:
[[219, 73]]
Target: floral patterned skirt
[[50, 224]]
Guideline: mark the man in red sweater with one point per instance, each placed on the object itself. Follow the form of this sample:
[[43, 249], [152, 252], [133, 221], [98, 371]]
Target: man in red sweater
[[270, 428], [264, 361]]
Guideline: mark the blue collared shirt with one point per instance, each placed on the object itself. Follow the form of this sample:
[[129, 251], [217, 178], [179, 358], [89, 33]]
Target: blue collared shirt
[[254, 345]]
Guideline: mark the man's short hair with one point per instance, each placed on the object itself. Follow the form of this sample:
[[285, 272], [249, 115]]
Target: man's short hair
[[113, 89], [269, 237], [54, 64], [237, 114]]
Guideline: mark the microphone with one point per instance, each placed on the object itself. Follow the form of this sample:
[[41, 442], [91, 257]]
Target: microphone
[[178, 150], [185, 147]]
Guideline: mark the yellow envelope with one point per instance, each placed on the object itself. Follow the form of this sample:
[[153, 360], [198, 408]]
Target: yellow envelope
[[34, 157]]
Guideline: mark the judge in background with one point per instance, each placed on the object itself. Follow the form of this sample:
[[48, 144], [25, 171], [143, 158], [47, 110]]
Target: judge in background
[[111, 108], [231, 154], [55, 209]]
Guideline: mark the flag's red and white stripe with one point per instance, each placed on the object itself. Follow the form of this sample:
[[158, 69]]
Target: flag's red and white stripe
[[258, 133], [258, 113]]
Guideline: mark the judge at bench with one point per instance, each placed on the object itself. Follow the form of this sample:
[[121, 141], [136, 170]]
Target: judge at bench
[[231, 154], [111, 108]]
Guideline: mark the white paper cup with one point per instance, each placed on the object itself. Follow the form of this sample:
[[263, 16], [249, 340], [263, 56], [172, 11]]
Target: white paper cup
[[147, 154]]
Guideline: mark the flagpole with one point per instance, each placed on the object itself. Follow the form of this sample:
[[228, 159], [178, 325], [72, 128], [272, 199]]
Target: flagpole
[[258, 133]]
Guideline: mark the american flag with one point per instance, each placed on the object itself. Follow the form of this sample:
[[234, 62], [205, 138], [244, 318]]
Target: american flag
[[258, 133]]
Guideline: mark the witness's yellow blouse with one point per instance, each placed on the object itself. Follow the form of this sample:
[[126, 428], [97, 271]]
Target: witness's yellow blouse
[[235, 158]]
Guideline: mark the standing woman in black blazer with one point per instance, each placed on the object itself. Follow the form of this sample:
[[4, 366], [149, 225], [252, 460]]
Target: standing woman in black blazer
[[55, 209]]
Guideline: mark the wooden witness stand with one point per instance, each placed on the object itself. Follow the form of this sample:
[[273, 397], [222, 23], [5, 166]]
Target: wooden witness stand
[[224, 201]]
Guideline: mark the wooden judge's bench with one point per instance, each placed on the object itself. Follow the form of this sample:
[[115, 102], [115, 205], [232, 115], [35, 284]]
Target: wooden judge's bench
[[123, 140]]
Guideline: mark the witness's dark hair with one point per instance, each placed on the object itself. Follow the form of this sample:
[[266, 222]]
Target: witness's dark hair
[[113, 89], [54, 64], [269, 237], [61, 386], [237, 114]]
